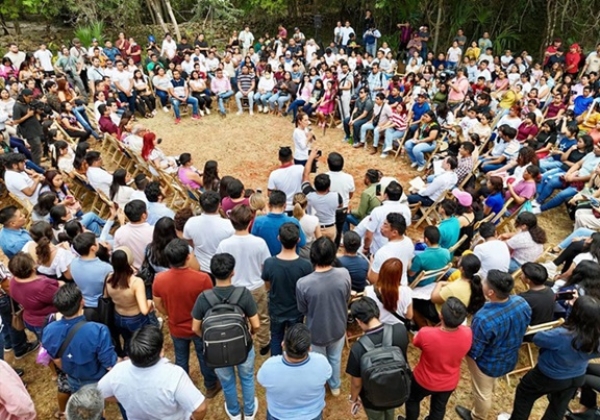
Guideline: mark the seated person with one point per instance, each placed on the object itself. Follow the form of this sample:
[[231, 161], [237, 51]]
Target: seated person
[[493, 253], [433, 258], [440, 184], [523, 190], [495, 199], [449, 226], [356, 265], [513, 170], [578, 251], [506, 147], [539, 296], [526, 243]]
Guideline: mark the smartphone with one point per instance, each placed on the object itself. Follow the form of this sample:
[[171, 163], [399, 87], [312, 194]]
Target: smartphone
[[564, 295], [319, 153], [378, 190]]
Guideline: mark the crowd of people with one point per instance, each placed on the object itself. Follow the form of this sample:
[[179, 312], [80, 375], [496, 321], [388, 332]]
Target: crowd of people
[[495, 142]]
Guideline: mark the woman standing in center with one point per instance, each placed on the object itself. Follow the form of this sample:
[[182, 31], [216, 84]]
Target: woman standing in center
[[303, 138]]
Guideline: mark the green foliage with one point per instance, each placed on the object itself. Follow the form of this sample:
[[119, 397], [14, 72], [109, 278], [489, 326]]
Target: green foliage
[[222, 10], [14, 9], [87, 33]]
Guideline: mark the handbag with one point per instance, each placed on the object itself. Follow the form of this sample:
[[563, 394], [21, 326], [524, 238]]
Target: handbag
[[17, 321], [147, 272], [106, 307]]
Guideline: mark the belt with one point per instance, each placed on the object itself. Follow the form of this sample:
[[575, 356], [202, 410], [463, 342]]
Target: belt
[[327, 226]]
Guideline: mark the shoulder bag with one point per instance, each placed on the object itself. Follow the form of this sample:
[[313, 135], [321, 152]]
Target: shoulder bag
[[106, 307]]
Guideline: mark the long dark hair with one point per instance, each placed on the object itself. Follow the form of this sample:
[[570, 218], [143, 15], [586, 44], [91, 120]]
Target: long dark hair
[[42, 234], [57, 214], [122, 270], [49, 181], [164, 232], [527, 156], [119, 180], [537, 233], [57, 147], [45, 204], [210, 174], [584, 324], [586, 271], [470, 266]]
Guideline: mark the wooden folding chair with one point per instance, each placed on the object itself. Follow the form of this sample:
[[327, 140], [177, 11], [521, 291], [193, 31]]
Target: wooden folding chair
[[502, 212], [457, 245], [429, 213], [423, 275], [25, 205], [401, 142], [504, 224], [531, 330], [414, 208], [438, 144]]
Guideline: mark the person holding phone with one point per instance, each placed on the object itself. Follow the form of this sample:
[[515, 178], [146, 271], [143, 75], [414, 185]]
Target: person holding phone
[[303, 139]]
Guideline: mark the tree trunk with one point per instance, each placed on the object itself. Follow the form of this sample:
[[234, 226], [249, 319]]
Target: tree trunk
[[3, 25], [159, 15], [17, 27], [151, 10], [438, 25], [173, 19]]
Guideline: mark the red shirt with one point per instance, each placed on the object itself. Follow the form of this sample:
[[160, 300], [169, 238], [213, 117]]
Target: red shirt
[[36, 298], [179, 288], [441, 354], [525, 131]]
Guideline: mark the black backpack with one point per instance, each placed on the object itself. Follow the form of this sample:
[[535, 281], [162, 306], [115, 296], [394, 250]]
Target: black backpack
[[385, 373], [225, 334]]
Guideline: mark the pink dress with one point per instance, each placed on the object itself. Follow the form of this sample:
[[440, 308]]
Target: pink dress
[[328, 103]]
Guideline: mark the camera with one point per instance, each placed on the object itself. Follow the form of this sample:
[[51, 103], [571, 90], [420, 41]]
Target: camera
[[447, 75]]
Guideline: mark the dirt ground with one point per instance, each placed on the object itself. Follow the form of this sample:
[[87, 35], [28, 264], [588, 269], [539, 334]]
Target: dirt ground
[[246, 147]]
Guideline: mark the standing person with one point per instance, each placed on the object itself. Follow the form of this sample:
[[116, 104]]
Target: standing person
[[147, 376], [303, 138], [303, 398], [281, 274], [174, 293], [222, 267], [89, 352], [250, 253], [137, 234], [498, 330], [322, 297], [343, 184], [205, 232], [29, 126], [393, 337], [438, 371], [288, 177], [15, 401], [561, 368], [267, 226]]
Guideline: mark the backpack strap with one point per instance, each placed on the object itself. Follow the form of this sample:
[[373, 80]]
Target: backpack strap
[[366, 342], [235, 297], [72, 332], [387, 336], [211, 297]]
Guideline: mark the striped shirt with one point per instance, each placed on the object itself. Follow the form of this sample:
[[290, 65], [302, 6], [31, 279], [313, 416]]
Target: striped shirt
[[245, 81]]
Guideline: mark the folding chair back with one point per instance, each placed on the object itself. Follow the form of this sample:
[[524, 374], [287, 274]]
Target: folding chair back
[[457, 245], [438, 274], [430, 212]]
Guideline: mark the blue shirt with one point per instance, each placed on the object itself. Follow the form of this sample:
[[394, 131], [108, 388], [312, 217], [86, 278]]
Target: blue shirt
[[558, 359], [449, 232], [111, 53], [89, 354], [564, 145], [89, 277], [13, 240], [301, 398], [495, 202], [267, 227], [581, 104], [358, 267], [158, 210], [419, 110], [498, 331], [430, 259]]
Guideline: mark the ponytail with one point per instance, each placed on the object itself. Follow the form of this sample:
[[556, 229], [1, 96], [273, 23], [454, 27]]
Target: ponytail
[[477, 299], [300, 203]]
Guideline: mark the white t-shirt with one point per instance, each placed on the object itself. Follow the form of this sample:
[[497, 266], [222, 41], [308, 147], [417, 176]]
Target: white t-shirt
[[300, 144], [99, 179], [585, 256], [454, 54], [377, 217], [404, 250], [123, 196], [403, 304], [343, 184], [45, 59], [160, 392], [169, 49], [494, 255], [206, 232], [289, 180], [124, 78], [16, 182], [309, 224], [250, 253], [60, 263]]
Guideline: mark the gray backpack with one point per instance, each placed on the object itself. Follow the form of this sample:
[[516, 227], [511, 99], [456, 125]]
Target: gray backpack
[[385, 373]]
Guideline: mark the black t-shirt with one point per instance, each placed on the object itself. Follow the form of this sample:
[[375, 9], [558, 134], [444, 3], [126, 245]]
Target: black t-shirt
[[29, 128], [246, 302], [541, 303], [399, 339], [282, 276]]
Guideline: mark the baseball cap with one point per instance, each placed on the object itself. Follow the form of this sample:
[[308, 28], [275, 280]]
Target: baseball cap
[[27, 92], [127, 252], [464, 198]]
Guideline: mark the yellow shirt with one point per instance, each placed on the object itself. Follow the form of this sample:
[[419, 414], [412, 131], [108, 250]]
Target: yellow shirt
[[508, 99], [590, 123], [460, 289], [473, 52]]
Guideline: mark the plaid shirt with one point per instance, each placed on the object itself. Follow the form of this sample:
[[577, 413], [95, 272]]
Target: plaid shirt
[[464, 168], [498, 330]]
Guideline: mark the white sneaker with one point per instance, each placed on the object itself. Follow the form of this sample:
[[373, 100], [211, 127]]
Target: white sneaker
[[503, 416], [251, 112], [335, 392], [260, 108], [551, 268], [535, 203], [266, 110], [207, 111], [165, 109], [387, 149], [253, 416], [201, 112], [536, 210], [421, 168], [154, 112], [232, 417], [413, 165], [239, 112], [383, 155]]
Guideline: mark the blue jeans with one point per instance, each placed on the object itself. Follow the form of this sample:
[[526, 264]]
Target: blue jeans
[[75, 384], [36, 330], [182, 358], [13, 339], [417, 198], [82, 118], [333, 352], [92, 222], [280, 98], [221, 98], [489, 167], [356, 127], [513, 266], [562, 197], [392, 134], [551, 180], [363, 133], [129, 99], [278, 328], [549, 163], [190, 100], [262, 99], [371, 49], [228, 381], [294, 107], [163, 96], [350, 220], [238, 101], [416, 152], [577, 233], [127, 325]]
